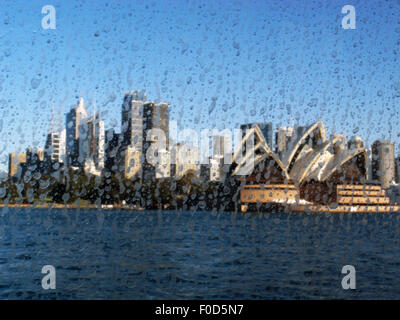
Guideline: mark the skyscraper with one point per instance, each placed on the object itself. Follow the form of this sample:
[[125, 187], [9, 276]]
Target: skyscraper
[[139, 116], [132, 120], [74, 119], [283, 136], [221, 146], [112, 149], [55, 146], [156, 116], [221, 158], [266, 129], [92, 141]]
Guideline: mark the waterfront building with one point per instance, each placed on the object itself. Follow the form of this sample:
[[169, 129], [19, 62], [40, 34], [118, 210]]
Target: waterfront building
[[383, 165], [309, 157], [312, 169]]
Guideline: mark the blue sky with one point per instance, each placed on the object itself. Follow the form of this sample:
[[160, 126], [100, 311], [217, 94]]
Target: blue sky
[[218, 64]]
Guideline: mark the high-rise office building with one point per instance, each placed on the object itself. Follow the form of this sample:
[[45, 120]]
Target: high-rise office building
[[156, 115], [221, 146], [155, 165], [132, 120], [139, 116], [74, 119], [55, 146], [92, 142], [112, 149], [383, 165], [283, 136], [221, 158], [266, 129]]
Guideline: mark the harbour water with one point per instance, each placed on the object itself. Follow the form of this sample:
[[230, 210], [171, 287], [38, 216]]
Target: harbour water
[[197, 255]]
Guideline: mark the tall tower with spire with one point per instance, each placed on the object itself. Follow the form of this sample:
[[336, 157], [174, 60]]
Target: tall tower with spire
[[75, 117]]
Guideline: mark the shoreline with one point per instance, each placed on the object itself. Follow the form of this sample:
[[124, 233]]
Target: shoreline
[[295, 208], [70, 206]]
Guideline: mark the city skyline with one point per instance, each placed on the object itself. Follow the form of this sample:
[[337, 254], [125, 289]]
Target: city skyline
[[254, 68], [199, 149], [145, 149], [305, 167]]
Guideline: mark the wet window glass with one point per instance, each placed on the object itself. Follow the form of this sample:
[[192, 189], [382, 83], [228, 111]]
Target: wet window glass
[[199, 149]]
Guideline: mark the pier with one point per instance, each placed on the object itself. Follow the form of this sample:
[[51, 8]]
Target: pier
[[318, 198]]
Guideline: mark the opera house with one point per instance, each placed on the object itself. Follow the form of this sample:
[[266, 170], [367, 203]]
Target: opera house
[[312, 173]]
